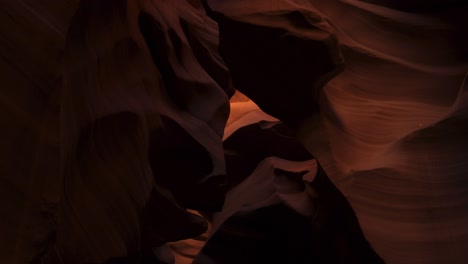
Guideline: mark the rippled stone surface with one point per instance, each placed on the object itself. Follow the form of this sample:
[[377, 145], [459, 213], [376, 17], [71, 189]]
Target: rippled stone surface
[[379, 132], [374, 89], [137, 78]]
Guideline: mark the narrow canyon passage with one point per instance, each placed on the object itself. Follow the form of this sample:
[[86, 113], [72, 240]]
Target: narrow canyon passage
[[233, 131]]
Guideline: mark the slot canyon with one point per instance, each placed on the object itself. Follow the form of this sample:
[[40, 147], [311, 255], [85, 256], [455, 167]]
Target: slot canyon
[[234, 131]]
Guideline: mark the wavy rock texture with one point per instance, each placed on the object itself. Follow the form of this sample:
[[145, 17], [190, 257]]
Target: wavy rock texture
[[152, 90], [389, 132], [281, 207], [136, 74], [99, 98]]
